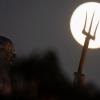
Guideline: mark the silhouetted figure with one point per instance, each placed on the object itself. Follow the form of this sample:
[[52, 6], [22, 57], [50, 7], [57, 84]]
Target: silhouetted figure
[[7, 57], [7, 51]]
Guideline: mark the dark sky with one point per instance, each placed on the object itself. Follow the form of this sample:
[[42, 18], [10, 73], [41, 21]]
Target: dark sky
[[40, 25]]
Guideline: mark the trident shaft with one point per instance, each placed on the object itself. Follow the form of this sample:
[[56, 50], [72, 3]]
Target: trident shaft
[[79, 76], [86, 43]]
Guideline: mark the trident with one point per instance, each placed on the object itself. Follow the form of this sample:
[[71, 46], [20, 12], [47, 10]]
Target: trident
[[79, 76]]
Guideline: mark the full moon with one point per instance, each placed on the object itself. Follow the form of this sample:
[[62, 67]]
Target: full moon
[[77, 23]]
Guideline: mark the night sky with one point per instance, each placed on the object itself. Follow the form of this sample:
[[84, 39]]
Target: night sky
[[40, 25]]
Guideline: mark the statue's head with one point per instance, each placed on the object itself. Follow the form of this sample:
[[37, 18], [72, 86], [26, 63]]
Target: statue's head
[[7, 51]]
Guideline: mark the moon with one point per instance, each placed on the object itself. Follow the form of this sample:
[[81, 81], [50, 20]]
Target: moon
[[78, 20]]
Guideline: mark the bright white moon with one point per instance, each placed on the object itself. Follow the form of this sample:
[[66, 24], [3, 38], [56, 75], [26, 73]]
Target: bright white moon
[[78, 20]]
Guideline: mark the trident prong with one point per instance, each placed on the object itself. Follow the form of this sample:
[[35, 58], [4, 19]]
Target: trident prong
[[95, 31], [91, 23], [85, 24]]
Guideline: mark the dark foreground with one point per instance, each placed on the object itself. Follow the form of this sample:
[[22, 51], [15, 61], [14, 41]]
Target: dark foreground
[[40, 78]]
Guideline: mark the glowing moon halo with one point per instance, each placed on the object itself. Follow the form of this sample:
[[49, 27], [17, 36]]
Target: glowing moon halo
[[78, 20]]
